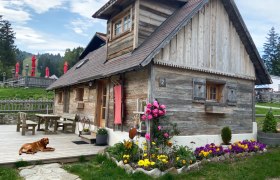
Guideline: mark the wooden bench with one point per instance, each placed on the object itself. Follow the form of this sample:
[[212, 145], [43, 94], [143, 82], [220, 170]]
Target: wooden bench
[[25, 124], [67, 122], [91, 139]]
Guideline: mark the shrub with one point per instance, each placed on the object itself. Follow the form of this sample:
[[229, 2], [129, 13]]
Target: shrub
[[21, 163], [270, 123], [226, 135], [102, 131]]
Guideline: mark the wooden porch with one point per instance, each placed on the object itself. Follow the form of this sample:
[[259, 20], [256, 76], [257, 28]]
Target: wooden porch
[[65, 149]]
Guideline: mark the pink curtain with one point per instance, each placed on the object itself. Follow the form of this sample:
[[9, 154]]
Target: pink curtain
[[118, 104]]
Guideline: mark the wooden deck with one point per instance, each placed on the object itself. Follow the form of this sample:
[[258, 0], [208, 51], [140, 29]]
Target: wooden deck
[[65, 149]]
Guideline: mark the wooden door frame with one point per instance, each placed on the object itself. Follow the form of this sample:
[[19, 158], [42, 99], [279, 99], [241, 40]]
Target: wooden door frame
[[101, 84], [66, 92]]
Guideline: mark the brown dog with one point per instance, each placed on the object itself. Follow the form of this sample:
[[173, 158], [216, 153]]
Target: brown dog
[[31, 148]]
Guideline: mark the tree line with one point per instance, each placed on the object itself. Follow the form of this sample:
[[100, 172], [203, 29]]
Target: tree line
[[10, 55]]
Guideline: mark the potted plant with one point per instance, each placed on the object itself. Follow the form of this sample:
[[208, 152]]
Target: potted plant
[[226, 135], [269, 135], [102, 136]]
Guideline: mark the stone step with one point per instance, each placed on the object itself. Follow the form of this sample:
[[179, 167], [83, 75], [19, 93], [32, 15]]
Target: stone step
[[91, 139]]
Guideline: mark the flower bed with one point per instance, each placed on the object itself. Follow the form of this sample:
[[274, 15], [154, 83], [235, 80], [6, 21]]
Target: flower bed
[[157, 155]]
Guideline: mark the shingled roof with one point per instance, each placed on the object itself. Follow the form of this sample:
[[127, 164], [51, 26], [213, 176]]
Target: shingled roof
[[97, 67]]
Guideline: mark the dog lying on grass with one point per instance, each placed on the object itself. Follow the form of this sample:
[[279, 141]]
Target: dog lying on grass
[[31, 148]]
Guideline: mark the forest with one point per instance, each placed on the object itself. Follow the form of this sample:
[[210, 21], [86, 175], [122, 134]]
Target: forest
[[10, 55]]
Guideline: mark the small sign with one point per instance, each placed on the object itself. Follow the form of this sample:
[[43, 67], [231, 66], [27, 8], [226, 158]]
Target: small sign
[[162, 82]]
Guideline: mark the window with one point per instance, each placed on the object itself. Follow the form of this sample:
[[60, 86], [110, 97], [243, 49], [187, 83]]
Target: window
[[214, 91], [79, 94], [126, 23], [122, 25], [118, 28], [59, 98]]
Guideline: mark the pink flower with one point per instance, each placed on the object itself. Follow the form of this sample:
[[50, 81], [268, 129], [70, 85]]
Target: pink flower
[[155, 111], [144, 117], [159, 128], [166, 135], [160, 112], [147, 136], [150, 117], [156, 104], [155, 115], [162, 106], [148, 111], [149, 105]]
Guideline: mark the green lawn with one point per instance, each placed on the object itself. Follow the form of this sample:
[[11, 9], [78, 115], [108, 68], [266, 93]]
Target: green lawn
[[256, 167], [9, 174], [269, 104], [25, 93]]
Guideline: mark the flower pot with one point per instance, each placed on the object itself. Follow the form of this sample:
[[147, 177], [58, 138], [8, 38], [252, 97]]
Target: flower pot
[[101, 140], [272, 139]]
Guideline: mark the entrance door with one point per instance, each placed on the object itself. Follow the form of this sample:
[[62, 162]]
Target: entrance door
[[101, 103], [66, 100]]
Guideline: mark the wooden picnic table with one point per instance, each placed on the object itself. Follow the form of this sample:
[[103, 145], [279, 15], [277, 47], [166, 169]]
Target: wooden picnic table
[[47, 118]]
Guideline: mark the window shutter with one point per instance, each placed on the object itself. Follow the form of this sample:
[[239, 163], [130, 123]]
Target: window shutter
[[199, 89], [232, 94]]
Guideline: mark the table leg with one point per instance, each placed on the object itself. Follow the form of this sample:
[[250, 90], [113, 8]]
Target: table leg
[[39, 122], [46, 125], [55, 125]]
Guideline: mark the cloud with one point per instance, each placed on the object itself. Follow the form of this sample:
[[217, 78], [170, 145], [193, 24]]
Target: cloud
[[80, 25], [260, 16], [43, 5], [86, 8], [13, 11], [38, 42]]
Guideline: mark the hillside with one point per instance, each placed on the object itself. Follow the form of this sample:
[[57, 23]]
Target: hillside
[[29, 62]]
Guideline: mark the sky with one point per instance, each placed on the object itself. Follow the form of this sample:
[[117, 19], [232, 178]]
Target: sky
[[51, 26]]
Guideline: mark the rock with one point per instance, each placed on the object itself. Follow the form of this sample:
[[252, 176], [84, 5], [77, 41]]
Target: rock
[[246, 154], [120, 164], [45, 170], [265, 150], [204, 161], [27, 172], [215, 159], [186, 169], [128, 169], [172, 170], [34, 177], [239, 155], [252, 153], [260, 152], [115, 160], [155, 173], [58, 170], [194, 166], [69, 176], [26, 167], [53, 165], [222, 158], [107, 155]]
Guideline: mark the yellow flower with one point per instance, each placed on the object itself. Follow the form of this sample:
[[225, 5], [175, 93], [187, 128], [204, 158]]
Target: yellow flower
[[127, 144], [145, 155], [141, 163], [153, 155], [218, 149], [230, 147], [153, 163], [136, 142], [125, 161], [126, 156], [177, 158], [190, 161], [153, 143], [145, 148], [184, 161], [210, 151]]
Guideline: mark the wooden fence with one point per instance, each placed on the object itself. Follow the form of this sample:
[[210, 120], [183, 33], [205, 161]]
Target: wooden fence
[[18, 105], [30, 82]]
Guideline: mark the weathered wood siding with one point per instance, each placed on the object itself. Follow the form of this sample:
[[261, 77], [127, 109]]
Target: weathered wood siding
[[190, 115], [89, 101], [152, 14], [209, 42], [123, 43], [135, 86]]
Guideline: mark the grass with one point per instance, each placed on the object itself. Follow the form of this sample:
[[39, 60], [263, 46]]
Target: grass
[[25, 93], [269, 104], [9, 174], [256, 167]]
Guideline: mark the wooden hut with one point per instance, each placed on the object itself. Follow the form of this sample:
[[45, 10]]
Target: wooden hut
[[195, 56]]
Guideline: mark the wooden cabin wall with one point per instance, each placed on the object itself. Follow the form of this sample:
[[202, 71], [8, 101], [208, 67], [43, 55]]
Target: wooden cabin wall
[[209, 42], [89, 101], [123, 43], [152, 14], [190, 115], [135, 86]]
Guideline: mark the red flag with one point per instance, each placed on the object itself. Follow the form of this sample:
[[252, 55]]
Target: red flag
[[17, 70], [33, 67], [65, 68], [47, 73]]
